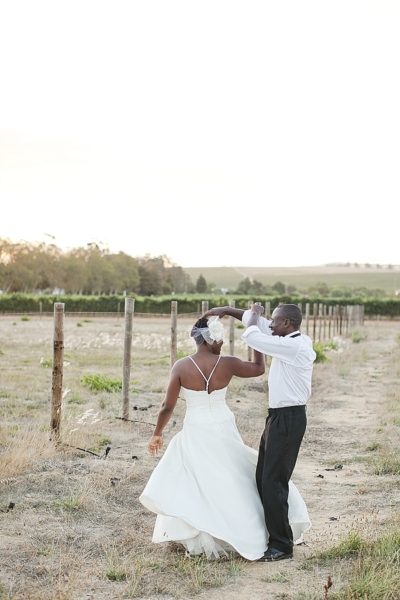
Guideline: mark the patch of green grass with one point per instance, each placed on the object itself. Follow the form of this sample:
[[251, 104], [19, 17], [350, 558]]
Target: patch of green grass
[[101, 383], [374, 575], [79, 324], [319, 349], [70, 503], [162, 360], [43, 552], [357, 337], [116, 574], [279, 577], [25, 318], [99, 444], [387, 464], [201, 573], [75, 399], [46, 363], [349, 546], [372, 447], [331, 345]]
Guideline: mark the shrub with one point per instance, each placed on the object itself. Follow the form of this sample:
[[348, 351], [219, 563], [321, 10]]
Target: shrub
[[319, 349], [101, 383]]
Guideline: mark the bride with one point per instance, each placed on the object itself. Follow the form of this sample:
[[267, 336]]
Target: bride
[[203, 490]]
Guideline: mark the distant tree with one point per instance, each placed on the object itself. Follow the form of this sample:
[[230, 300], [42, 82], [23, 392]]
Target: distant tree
[[321, 288], [26, 267], [291, 289], [251, 286], [258, 287], [125, 270], [279, 287], [150, 279], [201, 284], [244, 286], [73, 271], [179, 281]]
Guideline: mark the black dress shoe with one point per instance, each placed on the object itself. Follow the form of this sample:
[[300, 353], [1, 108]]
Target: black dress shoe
[[273, 554]]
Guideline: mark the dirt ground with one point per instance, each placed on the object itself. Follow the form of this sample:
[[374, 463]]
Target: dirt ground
[[77, 531]]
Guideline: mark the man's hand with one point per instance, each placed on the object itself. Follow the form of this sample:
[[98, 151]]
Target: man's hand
[[257, 309], [155, 444]]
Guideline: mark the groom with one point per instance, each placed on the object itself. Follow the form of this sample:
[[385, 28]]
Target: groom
[[289, 383]]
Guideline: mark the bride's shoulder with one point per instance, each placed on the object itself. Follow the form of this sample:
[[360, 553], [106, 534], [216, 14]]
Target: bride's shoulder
[[181, 363]]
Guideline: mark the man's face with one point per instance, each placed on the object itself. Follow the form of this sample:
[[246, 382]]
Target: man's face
[[279, 324]]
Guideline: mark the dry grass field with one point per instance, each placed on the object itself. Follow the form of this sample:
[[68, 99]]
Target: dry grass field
[[71, 526]]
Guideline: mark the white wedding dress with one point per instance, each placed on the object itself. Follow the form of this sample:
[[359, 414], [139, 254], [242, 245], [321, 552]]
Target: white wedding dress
[[203, 490]]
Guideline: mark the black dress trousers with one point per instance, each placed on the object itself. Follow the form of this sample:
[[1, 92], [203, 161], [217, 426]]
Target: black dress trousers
[[279, 448]]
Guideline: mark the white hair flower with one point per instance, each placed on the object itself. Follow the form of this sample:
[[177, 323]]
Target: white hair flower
[[216, 329]]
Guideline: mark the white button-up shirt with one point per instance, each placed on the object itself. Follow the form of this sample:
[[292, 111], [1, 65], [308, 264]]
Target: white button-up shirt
[[289, 378]]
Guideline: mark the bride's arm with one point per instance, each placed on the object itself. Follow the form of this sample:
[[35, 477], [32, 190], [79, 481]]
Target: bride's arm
[[242, 368], [166, 410]]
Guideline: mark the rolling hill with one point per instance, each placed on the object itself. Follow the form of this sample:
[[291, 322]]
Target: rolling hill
[[386, 278]]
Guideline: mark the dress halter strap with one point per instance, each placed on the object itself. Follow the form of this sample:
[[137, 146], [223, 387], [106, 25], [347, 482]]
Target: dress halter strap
[[201, 372]]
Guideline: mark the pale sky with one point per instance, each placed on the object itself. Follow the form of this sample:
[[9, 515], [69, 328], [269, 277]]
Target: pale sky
[[217, 132]]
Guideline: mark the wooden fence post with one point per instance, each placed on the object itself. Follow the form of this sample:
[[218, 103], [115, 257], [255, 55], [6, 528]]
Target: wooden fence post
[[232, 331], [250, 350], [174, 330], [58, 370], [307, 316], [320, 307], [350, 317], [330, 312], [324, 311], [129, 307], [340, 319], [204, 306], [336, 319], [314, 314], [267, 307]]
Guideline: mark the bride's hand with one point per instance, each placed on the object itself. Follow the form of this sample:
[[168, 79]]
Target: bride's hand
[[155, 444]]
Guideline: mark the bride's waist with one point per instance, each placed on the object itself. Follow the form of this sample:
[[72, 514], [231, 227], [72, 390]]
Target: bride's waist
[[213, 411]]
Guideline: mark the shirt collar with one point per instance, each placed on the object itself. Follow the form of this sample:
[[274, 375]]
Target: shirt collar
[[294, 333]]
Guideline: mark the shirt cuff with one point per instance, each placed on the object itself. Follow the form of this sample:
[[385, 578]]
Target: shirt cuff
[[250, 330], [246, 317]]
